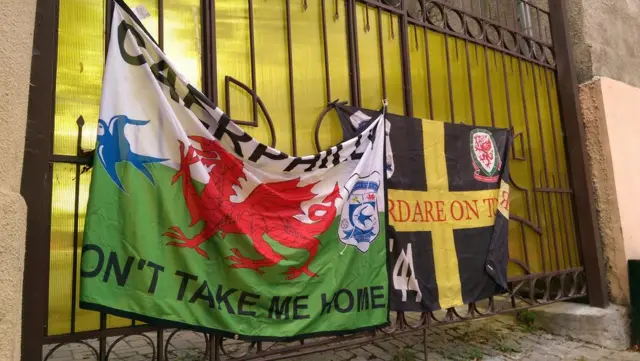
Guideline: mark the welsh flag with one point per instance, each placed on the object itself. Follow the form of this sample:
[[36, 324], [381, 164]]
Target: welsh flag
[[193, 223]]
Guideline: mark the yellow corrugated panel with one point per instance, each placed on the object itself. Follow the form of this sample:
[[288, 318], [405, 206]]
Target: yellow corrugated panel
[[479, 82]]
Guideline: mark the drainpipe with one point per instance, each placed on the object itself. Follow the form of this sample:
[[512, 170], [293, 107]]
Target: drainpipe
[[524, 11]]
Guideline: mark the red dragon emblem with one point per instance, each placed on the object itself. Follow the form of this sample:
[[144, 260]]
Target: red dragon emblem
[[268, 210], [486, 160], [484, 150]]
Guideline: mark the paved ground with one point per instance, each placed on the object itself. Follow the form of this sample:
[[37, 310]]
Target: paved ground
[[498, 338]]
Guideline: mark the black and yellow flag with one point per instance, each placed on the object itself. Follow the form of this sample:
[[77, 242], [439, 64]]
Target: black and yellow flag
[[448, 209]]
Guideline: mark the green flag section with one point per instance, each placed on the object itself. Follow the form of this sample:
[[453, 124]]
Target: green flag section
[[193, 223]]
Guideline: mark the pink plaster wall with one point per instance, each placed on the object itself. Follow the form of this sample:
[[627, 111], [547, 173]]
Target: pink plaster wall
[[622, 113], [611, 114]]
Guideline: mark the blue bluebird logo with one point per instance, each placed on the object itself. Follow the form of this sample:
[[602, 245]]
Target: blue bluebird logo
[[113, 147], [359, 223]]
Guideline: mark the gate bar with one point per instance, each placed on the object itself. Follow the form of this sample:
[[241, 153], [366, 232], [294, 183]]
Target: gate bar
[[36, 179], [584, 202], [406, 62]]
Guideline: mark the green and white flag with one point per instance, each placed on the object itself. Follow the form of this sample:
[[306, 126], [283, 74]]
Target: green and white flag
[[193, 223]]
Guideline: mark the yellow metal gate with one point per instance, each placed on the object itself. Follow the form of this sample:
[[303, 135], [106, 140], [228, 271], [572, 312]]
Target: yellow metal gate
[[274, 66]]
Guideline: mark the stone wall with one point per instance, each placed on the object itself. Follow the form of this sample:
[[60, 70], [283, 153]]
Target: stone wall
[[16, 38], [606, 39]]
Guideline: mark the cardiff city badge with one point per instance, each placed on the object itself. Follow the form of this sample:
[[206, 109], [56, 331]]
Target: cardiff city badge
[[360, 221], [485, 156]]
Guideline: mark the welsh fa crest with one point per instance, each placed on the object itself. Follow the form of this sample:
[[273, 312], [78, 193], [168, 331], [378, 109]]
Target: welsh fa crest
[[360, 221], [485, 156]]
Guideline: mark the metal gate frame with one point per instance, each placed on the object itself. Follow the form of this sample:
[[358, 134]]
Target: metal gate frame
[[36, 188]]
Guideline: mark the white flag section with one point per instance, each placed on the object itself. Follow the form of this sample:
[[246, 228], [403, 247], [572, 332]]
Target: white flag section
[[188, 213], [404, 275], [359, 120], [173, 111]]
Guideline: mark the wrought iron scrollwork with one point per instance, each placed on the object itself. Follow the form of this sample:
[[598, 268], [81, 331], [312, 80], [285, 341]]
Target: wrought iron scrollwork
[[148, 340], [168, 353], [325, 111], [53, 350], [228, 80], [524, 291], [235, 349], [487, 29]]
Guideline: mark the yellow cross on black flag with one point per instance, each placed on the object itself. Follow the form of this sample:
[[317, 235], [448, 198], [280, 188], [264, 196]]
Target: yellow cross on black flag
[[448, 209]]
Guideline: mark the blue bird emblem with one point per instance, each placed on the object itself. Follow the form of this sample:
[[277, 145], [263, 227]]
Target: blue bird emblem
[[113, 147], [363, 218]]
